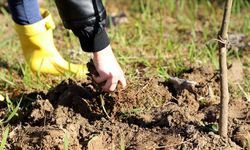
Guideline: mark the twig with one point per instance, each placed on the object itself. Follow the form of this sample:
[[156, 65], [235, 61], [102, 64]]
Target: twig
[[141, 89]]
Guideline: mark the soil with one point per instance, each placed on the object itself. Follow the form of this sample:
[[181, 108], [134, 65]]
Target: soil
[[148, 114]]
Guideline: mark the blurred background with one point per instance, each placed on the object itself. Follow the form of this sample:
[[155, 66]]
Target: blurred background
[[151, 38]]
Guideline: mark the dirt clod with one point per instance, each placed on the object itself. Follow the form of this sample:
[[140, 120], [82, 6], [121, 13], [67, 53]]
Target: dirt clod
[[242, 135]]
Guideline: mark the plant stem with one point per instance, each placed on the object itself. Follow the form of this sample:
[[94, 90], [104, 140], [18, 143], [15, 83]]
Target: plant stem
[[223, 40]]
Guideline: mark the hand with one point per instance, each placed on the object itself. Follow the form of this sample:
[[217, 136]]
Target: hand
[[108, 69]]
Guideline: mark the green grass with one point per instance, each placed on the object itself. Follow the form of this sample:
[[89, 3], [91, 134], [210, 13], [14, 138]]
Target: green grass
[[4, 138], [238, 5], [247, 145], [65, 141], [166, 37], [11, 110], [122, 143]]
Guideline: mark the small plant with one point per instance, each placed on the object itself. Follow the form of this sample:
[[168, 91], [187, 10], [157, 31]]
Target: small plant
[[211, 128], [11, 110]]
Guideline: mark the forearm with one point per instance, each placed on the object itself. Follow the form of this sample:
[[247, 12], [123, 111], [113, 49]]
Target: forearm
[[86, 18]]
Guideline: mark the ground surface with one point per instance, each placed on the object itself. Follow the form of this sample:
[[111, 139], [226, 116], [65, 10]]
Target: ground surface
[[92, 120], [156, 110]]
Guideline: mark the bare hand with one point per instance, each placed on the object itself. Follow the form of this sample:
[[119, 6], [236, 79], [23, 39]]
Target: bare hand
[[108, 69]]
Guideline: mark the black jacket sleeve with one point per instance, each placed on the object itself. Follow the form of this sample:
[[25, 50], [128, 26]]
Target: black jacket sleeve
[[87, 19]]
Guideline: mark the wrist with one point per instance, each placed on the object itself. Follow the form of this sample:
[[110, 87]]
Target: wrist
[[103, 52]]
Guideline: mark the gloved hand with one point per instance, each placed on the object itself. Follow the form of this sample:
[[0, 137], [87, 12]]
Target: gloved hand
[[108, 69]]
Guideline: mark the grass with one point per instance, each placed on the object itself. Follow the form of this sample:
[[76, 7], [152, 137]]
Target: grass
[[122, 143], [4, 138], [65, 141], [247, 96], [246, 146], [164, 36], [6, 81], [11, 110]]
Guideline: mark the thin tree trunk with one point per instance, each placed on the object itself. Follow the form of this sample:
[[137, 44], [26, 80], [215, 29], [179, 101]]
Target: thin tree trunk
[[224, 99]]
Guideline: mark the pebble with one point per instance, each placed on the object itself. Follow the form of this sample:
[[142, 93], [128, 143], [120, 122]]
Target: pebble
[[1, 98]]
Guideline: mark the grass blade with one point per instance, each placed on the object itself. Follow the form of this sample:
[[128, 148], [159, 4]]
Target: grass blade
[[7, 81], [65, 141], [4, 139], [243, 91], [122, 143], [13, 113]]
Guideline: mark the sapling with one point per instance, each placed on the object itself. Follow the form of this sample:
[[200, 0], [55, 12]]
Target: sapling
[[223, 42]]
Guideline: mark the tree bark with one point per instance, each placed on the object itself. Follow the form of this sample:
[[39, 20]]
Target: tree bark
[[224, 99]]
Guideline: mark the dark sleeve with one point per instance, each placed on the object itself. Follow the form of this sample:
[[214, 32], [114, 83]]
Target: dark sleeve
[[87, 20]]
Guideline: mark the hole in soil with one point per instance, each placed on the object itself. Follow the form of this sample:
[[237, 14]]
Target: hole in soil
[[170, 87]]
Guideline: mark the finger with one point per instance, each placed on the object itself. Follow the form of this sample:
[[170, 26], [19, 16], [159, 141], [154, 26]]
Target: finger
[[123, 82], [99, 79], [110, 84]]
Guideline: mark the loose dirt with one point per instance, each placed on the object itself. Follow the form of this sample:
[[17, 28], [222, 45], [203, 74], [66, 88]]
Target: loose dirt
[[148, 114]]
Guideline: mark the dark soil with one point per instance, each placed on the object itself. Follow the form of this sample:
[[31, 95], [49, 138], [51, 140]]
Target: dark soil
[[149, 114]]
